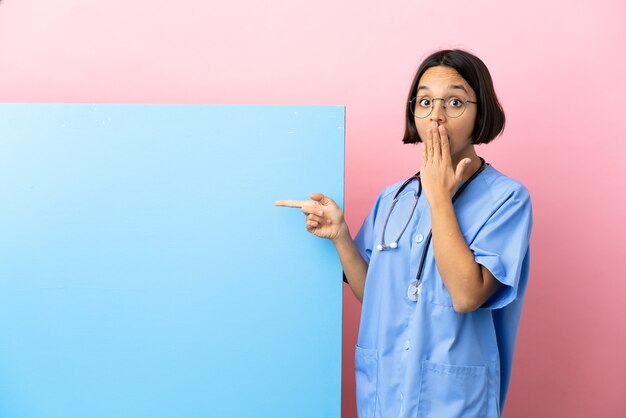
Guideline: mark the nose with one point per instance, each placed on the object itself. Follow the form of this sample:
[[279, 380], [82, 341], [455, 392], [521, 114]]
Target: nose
[[438, 114]]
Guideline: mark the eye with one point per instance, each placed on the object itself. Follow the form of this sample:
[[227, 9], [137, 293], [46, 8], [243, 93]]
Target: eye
[[454, 102], [424, 102]]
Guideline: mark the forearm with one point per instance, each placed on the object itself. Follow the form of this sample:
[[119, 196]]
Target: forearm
[[354, 266], [459, 271]]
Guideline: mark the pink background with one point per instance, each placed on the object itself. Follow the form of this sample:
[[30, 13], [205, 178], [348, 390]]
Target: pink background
[[559, 71]]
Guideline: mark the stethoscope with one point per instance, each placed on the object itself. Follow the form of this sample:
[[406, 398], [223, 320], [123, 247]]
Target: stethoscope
[[416, 286]]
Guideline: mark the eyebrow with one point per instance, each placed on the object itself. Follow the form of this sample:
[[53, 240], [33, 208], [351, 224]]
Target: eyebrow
[[450, 87]]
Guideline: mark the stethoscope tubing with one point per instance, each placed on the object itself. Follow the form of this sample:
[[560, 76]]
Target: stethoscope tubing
[[394, 244], [418, 276]]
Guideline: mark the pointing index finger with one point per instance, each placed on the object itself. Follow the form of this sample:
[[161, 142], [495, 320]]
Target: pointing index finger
[[290, 203]]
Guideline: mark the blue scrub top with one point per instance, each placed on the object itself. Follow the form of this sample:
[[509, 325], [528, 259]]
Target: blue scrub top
[[423, 359]]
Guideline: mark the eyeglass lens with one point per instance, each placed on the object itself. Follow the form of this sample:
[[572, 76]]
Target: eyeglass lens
[[421, 107]]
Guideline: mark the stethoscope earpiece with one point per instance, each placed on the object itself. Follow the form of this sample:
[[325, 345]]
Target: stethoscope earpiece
[[392, 246]]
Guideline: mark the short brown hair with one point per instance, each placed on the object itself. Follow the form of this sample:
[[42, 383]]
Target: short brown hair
[[490, 117]]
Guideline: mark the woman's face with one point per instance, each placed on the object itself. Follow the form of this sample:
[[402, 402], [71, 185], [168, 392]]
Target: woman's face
[[446, 83]]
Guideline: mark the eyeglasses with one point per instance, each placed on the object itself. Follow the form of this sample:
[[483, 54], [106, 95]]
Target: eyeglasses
[[422, 106]]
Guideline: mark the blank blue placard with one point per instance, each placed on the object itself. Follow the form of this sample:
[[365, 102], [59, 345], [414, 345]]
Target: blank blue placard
[[144, 271]]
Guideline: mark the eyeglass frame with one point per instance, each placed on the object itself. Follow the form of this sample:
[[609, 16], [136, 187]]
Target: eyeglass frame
[[432, 106]]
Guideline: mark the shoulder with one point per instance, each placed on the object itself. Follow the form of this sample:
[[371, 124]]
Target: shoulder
[[500, 187], [497, 210]]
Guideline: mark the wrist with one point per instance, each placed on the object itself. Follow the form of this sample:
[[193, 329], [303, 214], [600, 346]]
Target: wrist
[[439, 201], [343, 235]]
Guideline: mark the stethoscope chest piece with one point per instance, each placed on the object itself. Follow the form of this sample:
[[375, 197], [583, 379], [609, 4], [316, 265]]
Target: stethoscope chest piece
[[414, 291]]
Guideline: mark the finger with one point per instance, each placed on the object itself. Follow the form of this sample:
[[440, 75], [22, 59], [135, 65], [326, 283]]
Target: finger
[[314, 209], [291, 203], [315, 218], [429, 145], [461, 167], [436, 144], [319, 197], [311, 224], [445, 144]]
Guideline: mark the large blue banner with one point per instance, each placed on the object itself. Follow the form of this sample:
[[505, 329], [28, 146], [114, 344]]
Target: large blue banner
[[144, 271]]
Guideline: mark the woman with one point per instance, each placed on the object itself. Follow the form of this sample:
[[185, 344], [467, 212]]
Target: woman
[[441, 279]]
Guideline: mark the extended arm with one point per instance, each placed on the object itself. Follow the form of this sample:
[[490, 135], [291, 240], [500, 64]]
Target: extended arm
[[325, 219]]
